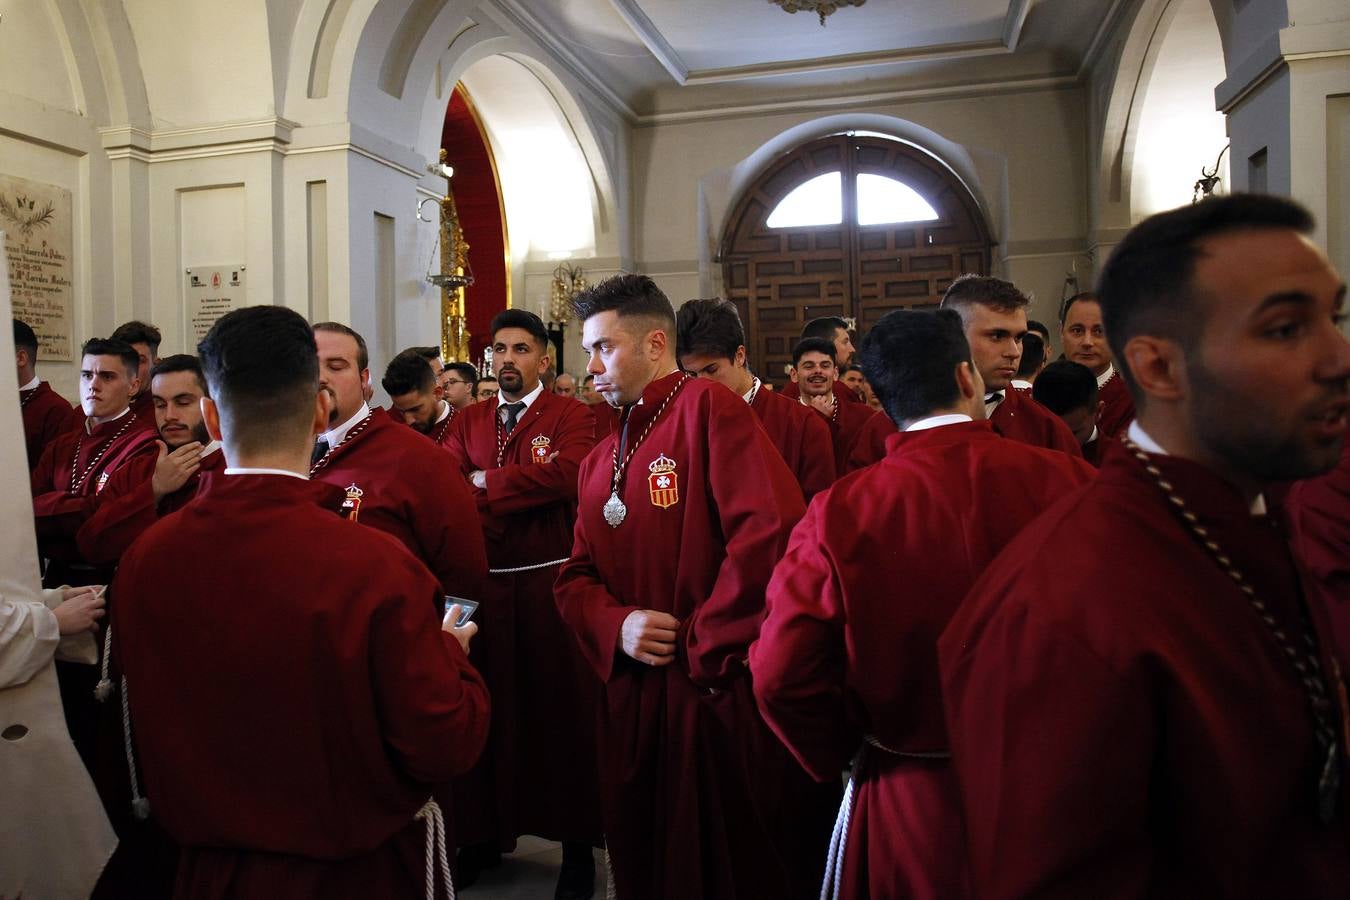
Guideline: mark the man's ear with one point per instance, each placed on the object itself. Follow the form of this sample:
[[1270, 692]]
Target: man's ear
[[323, 409], [1101, 406], [658, 340], [793, 373], [1158, 366], [211, 417], [965, 381]]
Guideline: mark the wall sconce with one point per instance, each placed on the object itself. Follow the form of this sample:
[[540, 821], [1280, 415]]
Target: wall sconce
[[455, 274], [1208, 181]]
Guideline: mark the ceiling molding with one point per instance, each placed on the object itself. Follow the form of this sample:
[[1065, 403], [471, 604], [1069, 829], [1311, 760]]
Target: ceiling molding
[[651, 36]]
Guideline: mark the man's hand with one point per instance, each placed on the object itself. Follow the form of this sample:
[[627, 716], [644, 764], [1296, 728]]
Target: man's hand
[[172, 470], [649, 637], [80, 609], [460, 633], [478, 478], [824, 403]]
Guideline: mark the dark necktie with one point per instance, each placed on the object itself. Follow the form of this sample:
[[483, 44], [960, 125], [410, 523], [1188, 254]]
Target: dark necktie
[[320, 451], [512, 413]]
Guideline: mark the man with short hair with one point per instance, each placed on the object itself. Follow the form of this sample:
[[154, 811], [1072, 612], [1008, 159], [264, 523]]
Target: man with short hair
[[994, 313], [485, 389], [1085, 342], [293, 719], [144, 339], [814, 376], [520, 454], [457, 384], [1040, 330], [1069, 390], [129, 504], [45, 412], [683, 512], [394, 480], [1032, 363], [565, 385], [834, 330], [845, 667], [852, 378], [711, 344], [587, 394], [416, 397], [1180, 731]]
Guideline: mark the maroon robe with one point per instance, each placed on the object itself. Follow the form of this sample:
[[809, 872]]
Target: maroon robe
[[1319, 519], [539, 773], [802, 438], [1123, 722], [142, 406], [839, 659], [1117, 406], [410, 490], [127, 507], [44, 417], [293, 699], [699, 798], [848, 422]]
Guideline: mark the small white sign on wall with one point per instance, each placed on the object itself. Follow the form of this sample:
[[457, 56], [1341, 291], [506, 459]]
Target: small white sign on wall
[[209, 292]]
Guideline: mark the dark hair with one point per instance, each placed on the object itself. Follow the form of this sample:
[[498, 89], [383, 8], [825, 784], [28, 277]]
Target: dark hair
[[589, 378], [523, 319], [708, 328], [428, 354], [181, 362], [1081, 295], [812, 345], [408, 372], [362, 354], [851, 367], [1033, 354], [137, 332], [131, 360], [463, 370], [983, 290], [910, 358], [483, 378], [1064, 386], [262, 368], [823, 327], [1145, 286], [1039, 328], [631, 296], [25, 339]]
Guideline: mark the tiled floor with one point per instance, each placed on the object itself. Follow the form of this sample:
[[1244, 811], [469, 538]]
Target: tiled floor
[[531, 873]]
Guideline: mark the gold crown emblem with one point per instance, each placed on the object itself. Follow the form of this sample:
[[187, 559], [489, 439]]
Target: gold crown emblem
[[662, 464], [540, 441]]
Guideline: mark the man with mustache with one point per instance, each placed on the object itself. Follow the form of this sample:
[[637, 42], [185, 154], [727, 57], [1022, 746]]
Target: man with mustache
[[415, 396], [1085, 342], [130, 504], [814, 374], [833, 330], [520, 454], [392, 478], [1142, 698]]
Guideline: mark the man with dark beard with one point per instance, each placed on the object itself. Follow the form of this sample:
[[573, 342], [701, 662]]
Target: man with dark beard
[[1140, 697], [416, 398]]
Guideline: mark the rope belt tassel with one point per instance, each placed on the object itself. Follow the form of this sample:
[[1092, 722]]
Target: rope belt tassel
[[430, 813]]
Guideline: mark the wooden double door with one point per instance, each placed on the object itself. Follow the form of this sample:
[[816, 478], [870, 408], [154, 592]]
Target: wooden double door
[[781, 278]]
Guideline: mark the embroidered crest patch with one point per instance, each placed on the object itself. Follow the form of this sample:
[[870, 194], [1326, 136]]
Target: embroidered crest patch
[[663, 482], [539, 449], [351, 506]]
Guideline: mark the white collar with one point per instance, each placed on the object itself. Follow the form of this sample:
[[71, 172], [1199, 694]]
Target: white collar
[[528, 399], [938, 421], [445, 413], [1023, 385], [88, 429], [247, 470], [32, 385], [211, 447], [754, 388], [1106, 376], [993, 398], [1146, 443], [334, 436]]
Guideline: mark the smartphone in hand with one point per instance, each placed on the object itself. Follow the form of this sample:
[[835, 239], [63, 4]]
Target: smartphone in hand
[[466, 610]]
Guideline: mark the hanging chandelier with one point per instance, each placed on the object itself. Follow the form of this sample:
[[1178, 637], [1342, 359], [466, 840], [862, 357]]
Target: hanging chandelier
[[821, 8]]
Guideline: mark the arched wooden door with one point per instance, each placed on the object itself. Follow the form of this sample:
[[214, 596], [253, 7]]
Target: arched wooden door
[[860, 266]]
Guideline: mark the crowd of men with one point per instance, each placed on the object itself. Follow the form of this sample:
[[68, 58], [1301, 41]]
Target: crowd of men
[[942, 616]]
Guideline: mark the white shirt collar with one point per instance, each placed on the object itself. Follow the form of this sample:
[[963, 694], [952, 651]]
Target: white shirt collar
[[88, 428], [527, 400], [992, 399], [32, 385], [1021, 385], [1103, 378], [244, 470], [1146, 443], [334, 436], [938, 421], [750, 394], [210, 448], [445, 413]]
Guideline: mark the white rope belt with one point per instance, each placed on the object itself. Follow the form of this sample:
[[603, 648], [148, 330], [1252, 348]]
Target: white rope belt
[[430, 813], [911, 754], [515, 569], [834, 862]]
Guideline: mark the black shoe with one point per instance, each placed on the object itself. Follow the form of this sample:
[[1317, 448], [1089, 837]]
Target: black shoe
[[473, 860], [576, 879]]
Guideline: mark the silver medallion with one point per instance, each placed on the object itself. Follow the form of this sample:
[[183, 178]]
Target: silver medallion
[[615, 511]]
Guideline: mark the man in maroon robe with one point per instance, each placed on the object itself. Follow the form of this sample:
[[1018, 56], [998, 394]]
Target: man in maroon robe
[[1176, 731], [815, 374], [1069, 390], [520, 454], [846, 661], [833, 330], [293, 712], [711, 344], [44, 410], [1318, 510], [415, 397], [392, 478], [1085, 342], [683, 513], [144, 338]]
